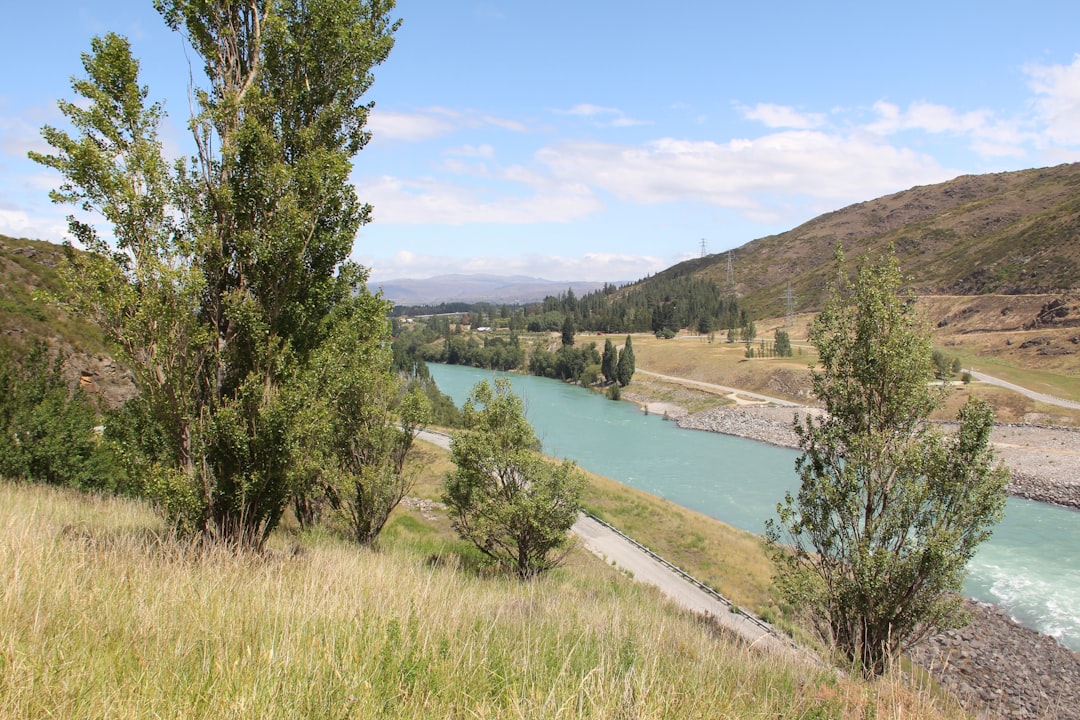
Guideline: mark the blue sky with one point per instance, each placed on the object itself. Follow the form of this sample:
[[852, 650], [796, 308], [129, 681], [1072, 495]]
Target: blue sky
[[604, 140]]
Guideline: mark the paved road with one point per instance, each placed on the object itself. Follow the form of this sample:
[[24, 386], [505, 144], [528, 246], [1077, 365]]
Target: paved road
[[719, 388], [626, 555], [1041, 397]]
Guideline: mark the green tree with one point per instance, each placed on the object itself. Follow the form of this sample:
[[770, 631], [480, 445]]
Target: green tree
[[748, 332], [941, 364], [609, 362], [225, 266], [47, 428], [782, 343], [625, 370], [504, 497], [889, 510], [568, 331], [355, 423]]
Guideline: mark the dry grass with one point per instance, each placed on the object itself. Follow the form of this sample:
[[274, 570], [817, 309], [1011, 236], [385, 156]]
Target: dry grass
[[722, 363], [102, 617]]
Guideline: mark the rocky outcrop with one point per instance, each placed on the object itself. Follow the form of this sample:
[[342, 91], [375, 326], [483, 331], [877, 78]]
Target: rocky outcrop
[[102, 377]]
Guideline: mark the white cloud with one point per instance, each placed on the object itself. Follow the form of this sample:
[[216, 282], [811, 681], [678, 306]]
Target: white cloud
[[16, 223], [739, 173], [502, 123], [595, 267], [410, 127], [417, 201], [1058, 88], [434, 122], [783, 116], [602, 116], [987, 133], [472, 151], [928, 117]]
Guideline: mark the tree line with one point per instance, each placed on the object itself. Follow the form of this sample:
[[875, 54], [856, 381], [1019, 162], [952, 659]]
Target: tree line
[[578, 363], [655, 305]]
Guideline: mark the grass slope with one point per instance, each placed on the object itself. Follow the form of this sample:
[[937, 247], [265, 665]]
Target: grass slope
[[28, 273], [101, 616]]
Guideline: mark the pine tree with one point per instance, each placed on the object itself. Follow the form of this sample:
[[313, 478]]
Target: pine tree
[[625, 371]]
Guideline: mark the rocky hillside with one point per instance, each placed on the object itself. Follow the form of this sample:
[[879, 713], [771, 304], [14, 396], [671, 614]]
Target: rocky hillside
[[28, 276], [1006, 233]]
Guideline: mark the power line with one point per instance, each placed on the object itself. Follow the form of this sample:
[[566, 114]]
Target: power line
[[704, 247]]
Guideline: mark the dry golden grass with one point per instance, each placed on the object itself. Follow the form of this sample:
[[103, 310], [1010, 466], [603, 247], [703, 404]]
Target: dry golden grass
[[102, 616], [722, 363]]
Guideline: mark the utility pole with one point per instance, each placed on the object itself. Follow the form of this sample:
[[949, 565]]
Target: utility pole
[[704, 247]]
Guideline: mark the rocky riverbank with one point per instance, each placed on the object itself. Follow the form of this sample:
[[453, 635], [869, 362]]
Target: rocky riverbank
[[1001, 669], [1043, 461]]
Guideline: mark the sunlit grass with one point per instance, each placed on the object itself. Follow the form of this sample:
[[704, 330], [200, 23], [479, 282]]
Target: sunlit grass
[[103, 616]]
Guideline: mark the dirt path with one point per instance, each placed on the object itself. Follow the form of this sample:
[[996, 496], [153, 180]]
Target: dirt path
[[735, 394]]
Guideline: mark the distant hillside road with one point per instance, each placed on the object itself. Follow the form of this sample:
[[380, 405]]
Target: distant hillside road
[[1041, 397]]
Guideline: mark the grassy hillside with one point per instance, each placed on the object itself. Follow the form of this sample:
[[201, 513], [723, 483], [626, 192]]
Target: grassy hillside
[[1007, 233], [29, 277], [28, 274], [102, 616]]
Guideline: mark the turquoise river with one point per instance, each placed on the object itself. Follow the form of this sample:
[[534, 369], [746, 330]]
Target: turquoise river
[[1030, 567]]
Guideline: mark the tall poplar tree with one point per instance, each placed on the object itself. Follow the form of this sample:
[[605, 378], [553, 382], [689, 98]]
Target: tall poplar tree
[[609, 362], [226, 266]]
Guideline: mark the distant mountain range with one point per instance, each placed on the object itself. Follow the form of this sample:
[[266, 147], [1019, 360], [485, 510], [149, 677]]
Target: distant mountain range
[[516, 289]]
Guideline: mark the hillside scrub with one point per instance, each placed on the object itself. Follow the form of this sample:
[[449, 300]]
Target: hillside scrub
[[47, 429], [103, 614]]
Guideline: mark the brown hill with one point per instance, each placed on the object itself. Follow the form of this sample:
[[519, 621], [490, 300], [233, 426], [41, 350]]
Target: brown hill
[[1005, 233]]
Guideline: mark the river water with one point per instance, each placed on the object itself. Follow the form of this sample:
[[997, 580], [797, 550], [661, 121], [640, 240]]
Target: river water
[[1030, 567]]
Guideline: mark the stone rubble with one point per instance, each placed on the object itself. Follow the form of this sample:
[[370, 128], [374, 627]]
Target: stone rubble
[[1000, 669]]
